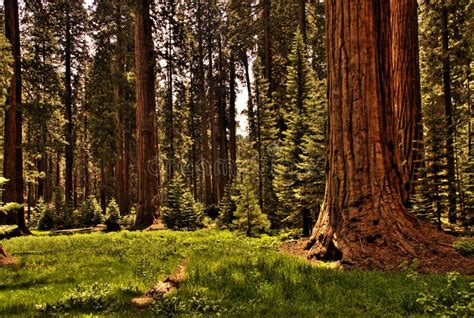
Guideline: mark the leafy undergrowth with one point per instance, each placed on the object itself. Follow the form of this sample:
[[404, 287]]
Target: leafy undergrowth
[[465, 247], [227, 274]]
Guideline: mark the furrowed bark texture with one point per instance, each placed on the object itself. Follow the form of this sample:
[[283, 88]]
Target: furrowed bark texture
[[147, 167], [13, 155], [363, 221], [406, 89]]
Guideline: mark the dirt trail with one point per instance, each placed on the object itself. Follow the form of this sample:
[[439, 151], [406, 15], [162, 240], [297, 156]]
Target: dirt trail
[[171, 283]]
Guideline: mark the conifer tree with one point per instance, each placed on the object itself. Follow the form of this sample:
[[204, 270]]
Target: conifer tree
[[300, 102]]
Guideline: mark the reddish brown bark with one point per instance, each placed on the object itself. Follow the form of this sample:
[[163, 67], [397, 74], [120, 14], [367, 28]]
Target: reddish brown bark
[[13, 154], [232, 122], [121, 195], [363, 220], [147, 165], [212, 109], [406, 89]]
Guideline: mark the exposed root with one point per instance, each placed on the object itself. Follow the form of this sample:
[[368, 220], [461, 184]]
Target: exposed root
[[162, 288], [398, 245]]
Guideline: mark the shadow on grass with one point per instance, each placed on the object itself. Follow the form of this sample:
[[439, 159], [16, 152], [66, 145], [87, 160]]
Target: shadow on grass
[[35, 283]]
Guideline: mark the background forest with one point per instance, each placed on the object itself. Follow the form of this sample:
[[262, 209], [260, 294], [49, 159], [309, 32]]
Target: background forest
[[241, 115]]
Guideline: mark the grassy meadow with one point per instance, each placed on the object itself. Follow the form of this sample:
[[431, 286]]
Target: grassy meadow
[[228, 275]]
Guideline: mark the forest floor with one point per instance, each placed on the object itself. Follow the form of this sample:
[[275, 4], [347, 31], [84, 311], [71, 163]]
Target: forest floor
[[227, 274]]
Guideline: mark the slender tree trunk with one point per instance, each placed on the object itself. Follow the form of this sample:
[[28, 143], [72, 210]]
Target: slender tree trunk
[[363, 220], [232, 122], [170, 152], [406, 89], [250, 109], [259, 147], [267, 45], [13, 154], [87, 180], [147, 165], [212, 108], [448, 112], [222, 163], [69, 149], [206, 153], [119, 173], [302, 17]]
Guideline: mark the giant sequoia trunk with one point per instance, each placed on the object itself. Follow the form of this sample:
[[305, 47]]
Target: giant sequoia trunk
[[13, 154], [406, 88], [363, 220], [147, 167]]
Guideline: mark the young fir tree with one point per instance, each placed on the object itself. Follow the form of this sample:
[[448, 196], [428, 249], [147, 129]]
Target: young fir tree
[[112, 216], [228, 206], [180, 211], [301, 104], [248, 217], [265, 146]]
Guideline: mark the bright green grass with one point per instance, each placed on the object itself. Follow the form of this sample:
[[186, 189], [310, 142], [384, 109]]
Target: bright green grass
[[228, 274]]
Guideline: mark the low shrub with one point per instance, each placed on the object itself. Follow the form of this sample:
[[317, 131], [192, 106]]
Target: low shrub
[[48, 216], [197, 305], [93, 298], [112, 217], [465, 247], [452, 301], [90, 213]]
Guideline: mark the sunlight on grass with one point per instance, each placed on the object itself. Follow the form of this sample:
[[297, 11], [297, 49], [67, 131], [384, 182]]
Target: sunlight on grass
[[227, 274]]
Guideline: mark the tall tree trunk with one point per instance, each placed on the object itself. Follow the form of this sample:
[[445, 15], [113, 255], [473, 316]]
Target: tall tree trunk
[[147, 165], [232, 122], [302, 17], [363, 220], [119, 173], [169, 117], [250, 106], [87, 180], [212, 107], [406, 89], [13, 154], [206, 152], [448, 112], [222, 162], [69, 148], [267, 45]]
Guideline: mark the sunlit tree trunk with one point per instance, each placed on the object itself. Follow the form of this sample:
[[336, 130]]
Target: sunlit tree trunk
[[363, 220], [147, 165]]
